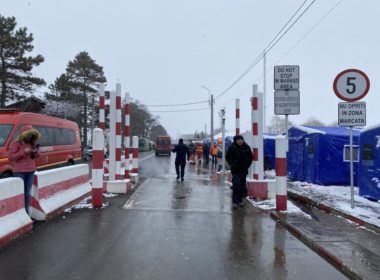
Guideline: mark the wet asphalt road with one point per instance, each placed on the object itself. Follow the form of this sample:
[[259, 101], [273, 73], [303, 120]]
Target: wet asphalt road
[[164, 230]]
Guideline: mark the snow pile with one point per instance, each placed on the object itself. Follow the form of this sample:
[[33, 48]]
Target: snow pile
[[270, 204], [339, 197], [85, 204], [270, 174], [109, 195]]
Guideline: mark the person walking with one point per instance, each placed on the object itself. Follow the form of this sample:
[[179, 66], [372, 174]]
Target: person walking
[[199, 152], [214, 155], [239, 157], [23, 152], [181, 151], [206, 152]]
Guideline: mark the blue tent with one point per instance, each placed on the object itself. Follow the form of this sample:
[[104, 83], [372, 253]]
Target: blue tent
[[320, 155], [269, 151], [369, 164]]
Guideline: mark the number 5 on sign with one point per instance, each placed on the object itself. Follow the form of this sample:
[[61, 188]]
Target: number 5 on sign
[[351, 85]]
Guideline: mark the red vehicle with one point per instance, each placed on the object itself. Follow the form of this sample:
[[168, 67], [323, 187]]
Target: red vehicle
[[59, 145], [163, 145]]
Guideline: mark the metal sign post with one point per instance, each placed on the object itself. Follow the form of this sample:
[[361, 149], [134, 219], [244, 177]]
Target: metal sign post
[[351, 85], [351, 170]]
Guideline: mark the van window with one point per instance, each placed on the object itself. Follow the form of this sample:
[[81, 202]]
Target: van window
[[163, 142], [54, 136], [5, 130]]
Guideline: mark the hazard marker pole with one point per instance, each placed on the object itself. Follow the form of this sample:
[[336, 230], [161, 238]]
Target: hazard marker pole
[[257, 146], [112, 139], [102, 123], [281, 180], [118, 132], [97, 167], [126, 136], [237, 114], [135, 154]]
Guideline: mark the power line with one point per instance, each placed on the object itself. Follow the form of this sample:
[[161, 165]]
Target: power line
[[291, 48], [183, 104], [268, 47], [189, 110], [310, 30]]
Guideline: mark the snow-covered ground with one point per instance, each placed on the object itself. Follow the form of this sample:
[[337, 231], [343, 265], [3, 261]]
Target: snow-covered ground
[[270, 204], [86, 203], [339, 197]]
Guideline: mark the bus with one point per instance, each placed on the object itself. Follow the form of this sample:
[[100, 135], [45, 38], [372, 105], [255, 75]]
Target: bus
[[144, 145], [59, 145]]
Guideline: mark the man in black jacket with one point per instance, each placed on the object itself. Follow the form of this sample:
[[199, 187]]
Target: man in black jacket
[[239, 157], [181, 151]]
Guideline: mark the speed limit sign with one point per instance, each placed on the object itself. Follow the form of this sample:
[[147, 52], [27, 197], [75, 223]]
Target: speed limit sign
[[351, 85]]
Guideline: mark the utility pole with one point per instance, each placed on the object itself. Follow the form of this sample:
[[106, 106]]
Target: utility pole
[[211, 100], [265, 93], [223, 115], [212, 120]]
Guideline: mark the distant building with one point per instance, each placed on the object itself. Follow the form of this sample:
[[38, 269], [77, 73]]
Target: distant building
[[31, 104]]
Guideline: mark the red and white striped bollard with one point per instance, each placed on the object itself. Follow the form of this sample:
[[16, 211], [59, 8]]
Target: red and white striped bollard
[[118, 132], [97, 167], [281, 179]]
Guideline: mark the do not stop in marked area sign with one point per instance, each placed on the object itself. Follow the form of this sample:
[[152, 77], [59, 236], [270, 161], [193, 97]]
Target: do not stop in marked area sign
[[287, 77], [351, 85]]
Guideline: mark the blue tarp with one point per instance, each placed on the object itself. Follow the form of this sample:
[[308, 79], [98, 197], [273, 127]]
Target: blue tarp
[[269, 151], [316, 155], [369, 164]]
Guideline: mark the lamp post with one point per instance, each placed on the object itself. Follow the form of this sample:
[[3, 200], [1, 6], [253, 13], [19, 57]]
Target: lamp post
[[211, 100]]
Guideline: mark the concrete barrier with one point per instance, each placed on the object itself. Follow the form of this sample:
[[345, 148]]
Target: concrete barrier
[[56, 189], [118, 186], [261, 189], [14, 221]]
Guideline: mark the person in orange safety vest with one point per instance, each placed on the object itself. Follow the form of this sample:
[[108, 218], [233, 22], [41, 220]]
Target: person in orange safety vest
[[199, 152], [214, 155]]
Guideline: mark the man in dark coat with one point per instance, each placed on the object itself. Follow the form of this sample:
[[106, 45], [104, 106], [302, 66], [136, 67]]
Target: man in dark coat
[[206, 152], [239, 157], [181, 151]]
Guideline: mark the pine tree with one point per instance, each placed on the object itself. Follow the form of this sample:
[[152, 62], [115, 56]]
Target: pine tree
[[62, 90], [85, 75], [15, 67]]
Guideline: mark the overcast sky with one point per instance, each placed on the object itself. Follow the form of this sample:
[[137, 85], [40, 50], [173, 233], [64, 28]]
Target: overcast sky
[[163, 51]]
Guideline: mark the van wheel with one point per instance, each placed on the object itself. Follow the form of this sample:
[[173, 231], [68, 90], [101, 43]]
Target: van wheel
[[70, 162]]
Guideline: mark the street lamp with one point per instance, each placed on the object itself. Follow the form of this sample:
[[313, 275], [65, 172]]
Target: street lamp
[[211, 100]]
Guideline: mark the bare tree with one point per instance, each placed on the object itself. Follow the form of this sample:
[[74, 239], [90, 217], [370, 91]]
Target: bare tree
[[277, 125], [313, 122]]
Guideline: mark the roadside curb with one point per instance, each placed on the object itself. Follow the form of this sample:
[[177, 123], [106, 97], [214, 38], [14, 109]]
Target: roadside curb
[[328, 256], [330, 210]]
